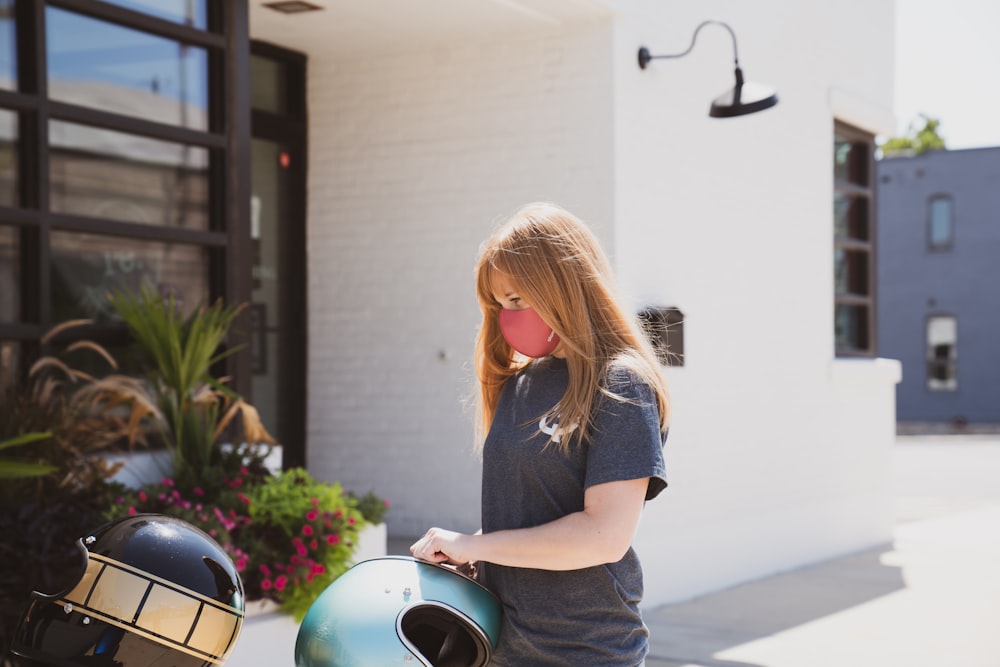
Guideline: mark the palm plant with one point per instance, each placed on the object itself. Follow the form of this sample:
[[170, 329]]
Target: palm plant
[[14, 469], [181, 351], [57, 423]]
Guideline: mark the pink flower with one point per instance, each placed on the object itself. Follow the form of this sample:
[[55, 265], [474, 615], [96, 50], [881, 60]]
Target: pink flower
[[198, 491], [243, 498], [301, 548], [265, 585], [281, 582], [318, 568], [131, 510], [307, 530], [350, 520], [244, 470], [314, 501], [265, 570], [241, 564], [332, 539], [311, 515], [142, 496], [166, 481]]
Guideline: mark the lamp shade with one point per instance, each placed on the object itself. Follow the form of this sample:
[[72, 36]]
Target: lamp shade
[[744, 98]]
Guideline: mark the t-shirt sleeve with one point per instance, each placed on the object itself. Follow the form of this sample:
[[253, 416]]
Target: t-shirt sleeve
[[626, 442]]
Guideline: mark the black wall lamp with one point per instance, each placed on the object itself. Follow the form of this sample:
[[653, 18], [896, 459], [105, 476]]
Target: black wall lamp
[[744, 98]]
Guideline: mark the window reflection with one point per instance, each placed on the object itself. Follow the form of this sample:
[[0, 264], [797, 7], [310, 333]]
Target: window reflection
[[942, 345], [850, 160], [10, 353], [86, 267], [8, 159], [106, 174], [189, 12], [850, 217], [98, 64], [10, 272], [851, 328], [268, 87], [941, 228], [8, 46]]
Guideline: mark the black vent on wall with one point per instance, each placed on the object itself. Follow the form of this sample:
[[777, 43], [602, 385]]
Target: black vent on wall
[[665, 328]]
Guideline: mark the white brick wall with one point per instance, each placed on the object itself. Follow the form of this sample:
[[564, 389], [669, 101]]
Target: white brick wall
[[778, 453], [413, 159]]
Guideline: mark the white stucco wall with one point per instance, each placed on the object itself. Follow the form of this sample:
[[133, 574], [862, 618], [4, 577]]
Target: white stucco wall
[[778, 454], [776, 459]]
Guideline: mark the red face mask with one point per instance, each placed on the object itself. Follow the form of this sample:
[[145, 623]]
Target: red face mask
[[528, 333]]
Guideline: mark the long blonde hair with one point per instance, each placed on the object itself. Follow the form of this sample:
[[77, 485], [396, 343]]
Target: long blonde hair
[[559, 268]]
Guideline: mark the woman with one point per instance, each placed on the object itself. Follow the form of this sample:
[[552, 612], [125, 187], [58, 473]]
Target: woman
[[574, 412]]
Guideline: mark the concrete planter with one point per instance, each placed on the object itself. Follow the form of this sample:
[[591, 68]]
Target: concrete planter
[[268, 636]]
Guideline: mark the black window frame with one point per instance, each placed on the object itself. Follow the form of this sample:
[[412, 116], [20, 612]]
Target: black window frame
[[227, 138], [860, 191]]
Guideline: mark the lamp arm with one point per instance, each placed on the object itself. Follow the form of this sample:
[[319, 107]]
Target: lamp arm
[[694, 37]]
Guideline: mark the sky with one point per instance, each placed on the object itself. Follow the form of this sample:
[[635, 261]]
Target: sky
[[948, 67]]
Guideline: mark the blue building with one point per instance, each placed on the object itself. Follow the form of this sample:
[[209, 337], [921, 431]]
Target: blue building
[[938, 277]]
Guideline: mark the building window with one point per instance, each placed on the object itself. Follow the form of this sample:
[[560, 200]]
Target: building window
[[854, 238], [942, 353], [940, 223], [119, 130]]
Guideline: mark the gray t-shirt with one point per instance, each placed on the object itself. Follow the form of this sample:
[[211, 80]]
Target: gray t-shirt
[[584, 617]]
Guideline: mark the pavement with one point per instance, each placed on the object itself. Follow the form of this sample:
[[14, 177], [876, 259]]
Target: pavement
[[930, 598]]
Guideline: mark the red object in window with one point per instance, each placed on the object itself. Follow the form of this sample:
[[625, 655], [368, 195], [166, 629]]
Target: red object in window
[[284, 159]]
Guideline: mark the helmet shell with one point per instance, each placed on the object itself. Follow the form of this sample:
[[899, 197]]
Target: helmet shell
[[152, 590], [400, 611]]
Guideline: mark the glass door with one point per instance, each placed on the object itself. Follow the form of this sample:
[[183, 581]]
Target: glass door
[[277, 247]]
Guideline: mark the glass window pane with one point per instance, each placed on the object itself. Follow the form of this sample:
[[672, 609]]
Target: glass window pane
[[10, 274], [942, 353], [86, 267], [8, 46], [8, 159], [112, 175], [850, 161], [267, 85], [188, 12], [98, 64], [851, 328], [940, 227], [851, 271], [850, 217], [10, 358]]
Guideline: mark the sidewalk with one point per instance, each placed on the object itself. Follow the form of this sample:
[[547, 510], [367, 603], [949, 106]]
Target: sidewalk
[[931, 598]]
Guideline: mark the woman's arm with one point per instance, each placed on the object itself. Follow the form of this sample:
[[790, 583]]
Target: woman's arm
[[601, 533]]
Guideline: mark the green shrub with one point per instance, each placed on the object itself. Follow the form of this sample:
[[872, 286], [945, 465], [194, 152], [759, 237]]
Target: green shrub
[[289, 535]]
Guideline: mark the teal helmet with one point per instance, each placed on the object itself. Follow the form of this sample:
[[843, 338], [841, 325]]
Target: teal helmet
[[399, 611]]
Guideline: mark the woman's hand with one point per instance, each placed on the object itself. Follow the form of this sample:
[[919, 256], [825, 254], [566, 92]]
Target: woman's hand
[[601, 533], [443, 546]]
